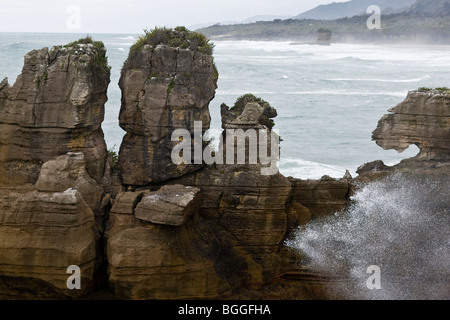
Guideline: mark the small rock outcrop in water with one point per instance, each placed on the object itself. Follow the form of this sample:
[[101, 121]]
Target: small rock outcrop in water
[[167, 84], [52, 160], [324, 37]]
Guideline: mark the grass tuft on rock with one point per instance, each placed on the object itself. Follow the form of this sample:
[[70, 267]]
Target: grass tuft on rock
[[101, 60], [441, 90], [179, 37]]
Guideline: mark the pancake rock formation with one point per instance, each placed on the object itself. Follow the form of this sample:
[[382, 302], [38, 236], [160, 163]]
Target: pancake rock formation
[[56, 106], [147, 227], [422, 119], [52, 160], [167, 83]]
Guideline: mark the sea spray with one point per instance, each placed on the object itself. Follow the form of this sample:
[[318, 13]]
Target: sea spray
[[399, 224]]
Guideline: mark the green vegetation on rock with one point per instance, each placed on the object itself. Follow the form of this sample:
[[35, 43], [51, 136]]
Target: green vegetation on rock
[[114, 159], [242, 101], [438, 90], [180, 37], [99, 48]]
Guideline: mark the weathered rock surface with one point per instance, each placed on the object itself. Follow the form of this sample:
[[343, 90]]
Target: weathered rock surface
[[56, 106], [247, 114], [52, 159], [164, 88], [246, 209], [187, 231], [170, 205], [69, 172], [248, 213], [41, 235], [156, 261], [322, 197], [422, 119], [233, 240]]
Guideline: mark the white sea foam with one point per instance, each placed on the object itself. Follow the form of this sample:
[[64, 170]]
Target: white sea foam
[[128, 38], [349, 93], [383, 80], [304, 169]]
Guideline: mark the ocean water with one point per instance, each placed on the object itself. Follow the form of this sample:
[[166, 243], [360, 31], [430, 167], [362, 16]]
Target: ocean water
[[329, 99]]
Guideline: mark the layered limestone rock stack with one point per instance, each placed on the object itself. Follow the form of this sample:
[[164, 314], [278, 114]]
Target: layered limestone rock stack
[[245, 211], [154, 246], [155, 249], [52, 159], [322, 197], [223, 233], [48, 227], [55, 106], [167, 83], [198, 230], [422, 119]]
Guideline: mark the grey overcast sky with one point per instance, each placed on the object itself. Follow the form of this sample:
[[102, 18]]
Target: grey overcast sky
[[132, 16]]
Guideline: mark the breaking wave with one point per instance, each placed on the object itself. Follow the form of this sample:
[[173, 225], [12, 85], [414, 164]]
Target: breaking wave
[[384, 80], [399, 224]]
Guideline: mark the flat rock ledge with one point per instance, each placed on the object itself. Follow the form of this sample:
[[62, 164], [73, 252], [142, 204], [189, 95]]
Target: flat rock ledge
[[170, 205]]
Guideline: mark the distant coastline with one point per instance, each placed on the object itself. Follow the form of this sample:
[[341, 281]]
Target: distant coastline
[[395, 29]]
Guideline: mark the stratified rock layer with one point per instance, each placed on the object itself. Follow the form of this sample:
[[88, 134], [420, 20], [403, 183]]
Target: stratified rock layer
[[163, 89], [228, 238], [188, 231], [56, 106], [422, 119], [171, 205], [322, 197], [42, 233], [52, 159], [159, 261]]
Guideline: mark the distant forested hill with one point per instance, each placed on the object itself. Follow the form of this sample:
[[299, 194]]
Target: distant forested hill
[[427, 21], [352, 8], [431, 7]]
